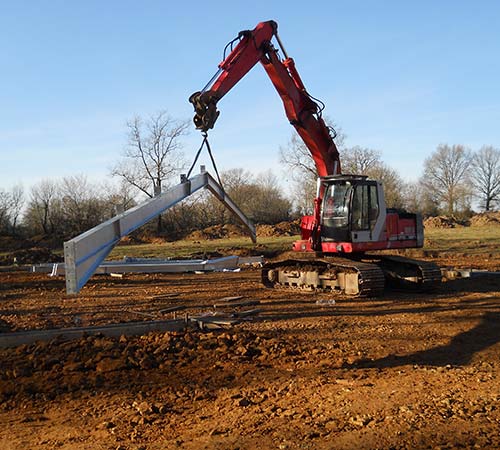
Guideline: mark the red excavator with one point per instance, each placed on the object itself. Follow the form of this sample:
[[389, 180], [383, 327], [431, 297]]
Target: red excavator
[[350, 217]]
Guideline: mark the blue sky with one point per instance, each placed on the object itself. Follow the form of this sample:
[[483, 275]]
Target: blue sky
[[399, 77]]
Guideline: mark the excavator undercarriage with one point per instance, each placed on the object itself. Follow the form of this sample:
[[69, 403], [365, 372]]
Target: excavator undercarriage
[[366, 277]]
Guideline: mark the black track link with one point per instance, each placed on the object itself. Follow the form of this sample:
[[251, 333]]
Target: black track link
[[429, 272], [371, 277]]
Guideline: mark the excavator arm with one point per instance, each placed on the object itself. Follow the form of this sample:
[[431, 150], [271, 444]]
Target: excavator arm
[[301, 109]]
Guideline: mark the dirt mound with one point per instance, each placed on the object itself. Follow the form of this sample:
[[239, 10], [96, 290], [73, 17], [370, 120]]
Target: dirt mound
[[216, 232], [485, 219], [478, 220], [131, 239], [229, 231], [207, 255], [279, 229], [35, 255], [442, 222]]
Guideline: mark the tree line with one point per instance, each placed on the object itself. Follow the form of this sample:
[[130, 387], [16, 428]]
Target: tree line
[[60, 210], [454, 178]]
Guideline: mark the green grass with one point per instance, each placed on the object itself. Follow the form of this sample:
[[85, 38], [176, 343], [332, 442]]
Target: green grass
[[266, 246], [462, 240], [471, 240]]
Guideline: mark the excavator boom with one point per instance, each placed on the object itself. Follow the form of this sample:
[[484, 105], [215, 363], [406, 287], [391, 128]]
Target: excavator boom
[[302, 111]]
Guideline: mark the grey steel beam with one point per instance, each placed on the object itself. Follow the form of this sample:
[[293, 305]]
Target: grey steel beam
[[17, 338], [216, 189], [150, 265], [173, 266], [84, 253]]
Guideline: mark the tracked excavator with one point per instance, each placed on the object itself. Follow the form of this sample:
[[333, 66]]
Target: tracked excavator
[[350, 218]]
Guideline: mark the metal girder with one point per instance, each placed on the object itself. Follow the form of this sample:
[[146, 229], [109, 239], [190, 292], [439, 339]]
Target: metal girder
[[172, 266], [17, 338], [149, 265], [84, 253]]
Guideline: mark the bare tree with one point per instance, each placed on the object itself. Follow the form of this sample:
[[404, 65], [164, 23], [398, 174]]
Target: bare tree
[[299, 163], [39, 215], [236, 182], [118, 196], [354, 160], [446, 177], [83, 205], [392, 182], [70, 206], [297, 157], [5, 202], [366, 161], [266, 202], [11, 205], [359, 160], [259, 197], [418, 199], [17, 204], [485, 175], [153, 154]]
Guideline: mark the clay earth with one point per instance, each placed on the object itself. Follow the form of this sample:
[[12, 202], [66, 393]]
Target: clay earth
[[407, 370]]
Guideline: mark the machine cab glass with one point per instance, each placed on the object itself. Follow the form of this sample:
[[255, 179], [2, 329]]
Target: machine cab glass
[[349, 205]]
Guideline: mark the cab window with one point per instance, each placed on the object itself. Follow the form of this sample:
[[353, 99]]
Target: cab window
[[364, 207]]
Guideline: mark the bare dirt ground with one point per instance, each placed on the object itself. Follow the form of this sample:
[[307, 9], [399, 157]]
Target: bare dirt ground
[[409, 370]]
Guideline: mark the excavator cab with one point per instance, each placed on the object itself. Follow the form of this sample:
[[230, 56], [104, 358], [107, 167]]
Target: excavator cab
[[350, 208]]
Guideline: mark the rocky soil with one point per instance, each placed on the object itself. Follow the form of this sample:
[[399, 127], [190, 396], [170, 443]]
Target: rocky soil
[[405, 371]]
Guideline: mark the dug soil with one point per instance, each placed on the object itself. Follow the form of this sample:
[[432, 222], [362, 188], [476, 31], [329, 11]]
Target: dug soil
[[407, 370]]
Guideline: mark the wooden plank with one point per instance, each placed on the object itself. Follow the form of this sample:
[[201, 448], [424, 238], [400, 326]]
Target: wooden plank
[[140, 313], [116, 275], [238, 304], [247, 313], [218, 320], [162, 296], [172, 309], [230, 299]]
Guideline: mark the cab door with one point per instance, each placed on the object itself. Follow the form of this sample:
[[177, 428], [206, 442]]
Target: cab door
[[335, 212], [367, 212]]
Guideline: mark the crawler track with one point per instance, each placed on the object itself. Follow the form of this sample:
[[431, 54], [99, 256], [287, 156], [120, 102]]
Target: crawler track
[[409, 273], [325, 274], [355, 278]]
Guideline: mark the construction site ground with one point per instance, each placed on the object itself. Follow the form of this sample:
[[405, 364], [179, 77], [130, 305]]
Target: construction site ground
[[406, 370]]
